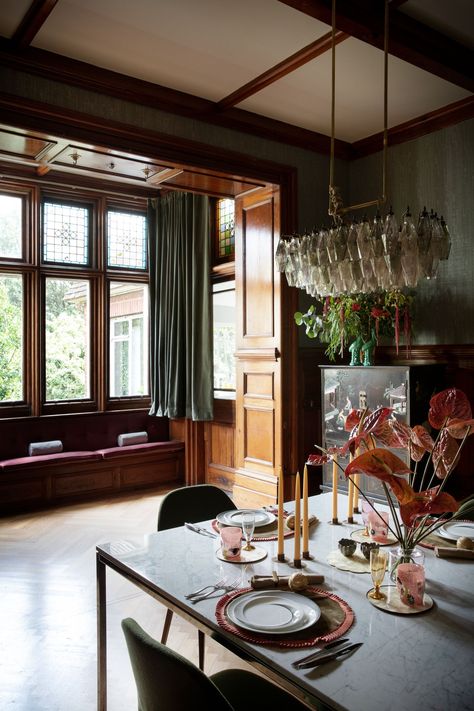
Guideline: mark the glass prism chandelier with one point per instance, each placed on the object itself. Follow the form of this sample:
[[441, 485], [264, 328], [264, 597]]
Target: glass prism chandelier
[[364, 256]]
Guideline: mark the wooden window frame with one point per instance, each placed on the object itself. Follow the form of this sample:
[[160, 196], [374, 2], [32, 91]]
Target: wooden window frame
[[35, 271]]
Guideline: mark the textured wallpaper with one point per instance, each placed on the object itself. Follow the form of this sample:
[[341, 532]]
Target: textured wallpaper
[[436, 171]]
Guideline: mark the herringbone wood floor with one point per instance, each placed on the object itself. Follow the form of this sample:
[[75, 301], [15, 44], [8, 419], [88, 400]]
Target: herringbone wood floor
[[48, 615]]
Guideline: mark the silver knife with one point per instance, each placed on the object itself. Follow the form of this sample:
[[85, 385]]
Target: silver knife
[[320, 652], [329, 657], [202, 531]]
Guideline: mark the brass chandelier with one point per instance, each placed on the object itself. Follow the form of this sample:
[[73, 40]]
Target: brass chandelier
[[363, 257]]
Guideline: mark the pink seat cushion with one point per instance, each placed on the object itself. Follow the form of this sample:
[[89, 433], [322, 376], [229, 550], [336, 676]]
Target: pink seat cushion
[[46, 459], [111, 452]]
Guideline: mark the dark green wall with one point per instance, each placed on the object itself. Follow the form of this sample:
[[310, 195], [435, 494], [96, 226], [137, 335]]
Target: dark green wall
[[436, 170]]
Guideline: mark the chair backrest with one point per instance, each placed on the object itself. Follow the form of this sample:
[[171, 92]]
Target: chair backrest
[[192, 503], [165, 680]]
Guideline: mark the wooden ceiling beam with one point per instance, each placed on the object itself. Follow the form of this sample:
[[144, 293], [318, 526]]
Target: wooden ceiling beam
[[280, 70], [409, 39], [32, 22]]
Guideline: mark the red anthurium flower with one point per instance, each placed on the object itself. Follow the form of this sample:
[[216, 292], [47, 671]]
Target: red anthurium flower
[[420, 442], [459, 428], [317, 460], [386, 466], [445, 454], [352, 419], [448, 404], [427, 502], [371, 425]]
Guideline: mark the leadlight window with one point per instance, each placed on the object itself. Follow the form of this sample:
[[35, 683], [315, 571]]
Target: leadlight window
[[65, 233], [225, 229], [73, 328], [126, 240]]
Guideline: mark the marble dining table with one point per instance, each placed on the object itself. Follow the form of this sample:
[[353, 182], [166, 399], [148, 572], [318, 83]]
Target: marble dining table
[[408, 662]]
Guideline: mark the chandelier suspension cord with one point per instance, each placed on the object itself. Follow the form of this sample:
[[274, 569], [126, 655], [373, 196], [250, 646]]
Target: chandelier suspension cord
[[333, 92], [385, 104]]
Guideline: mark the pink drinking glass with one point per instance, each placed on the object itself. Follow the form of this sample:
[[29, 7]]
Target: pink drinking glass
[[411, 584]]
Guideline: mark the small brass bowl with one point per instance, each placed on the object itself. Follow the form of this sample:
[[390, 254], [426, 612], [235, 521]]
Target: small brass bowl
[[366, 547], [347, 547]]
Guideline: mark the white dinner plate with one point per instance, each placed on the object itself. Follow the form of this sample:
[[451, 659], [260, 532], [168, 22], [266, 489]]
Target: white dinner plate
[[235, 517], [455, 529], [273, 611]]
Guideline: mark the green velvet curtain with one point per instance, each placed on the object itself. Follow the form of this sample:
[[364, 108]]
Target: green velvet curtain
[[180, 307]]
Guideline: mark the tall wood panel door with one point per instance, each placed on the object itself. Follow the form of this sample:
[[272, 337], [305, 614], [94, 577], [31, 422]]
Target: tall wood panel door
[[258, 446]]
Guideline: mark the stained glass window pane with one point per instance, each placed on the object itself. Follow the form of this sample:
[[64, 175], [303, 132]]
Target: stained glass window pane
[[11, 209], [126, 240], [65, 233], [225, 228]]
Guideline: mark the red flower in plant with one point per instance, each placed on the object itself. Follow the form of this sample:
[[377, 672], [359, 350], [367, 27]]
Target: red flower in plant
[[356, 307], [385, 466], [379, 313], [449, 404], [427, 502]]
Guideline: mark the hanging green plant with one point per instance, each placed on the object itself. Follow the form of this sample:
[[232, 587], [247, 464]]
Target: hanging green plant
[[342, 319]]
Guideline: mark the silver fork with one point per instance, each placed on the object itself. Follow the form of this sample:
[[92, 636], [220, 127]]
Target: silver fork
[[213, 586], [225, 588]]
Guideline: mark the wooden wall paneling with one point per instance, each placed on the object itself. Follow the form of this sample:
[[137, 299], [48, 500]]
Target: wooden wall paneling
[[220, 459], [258, 446]]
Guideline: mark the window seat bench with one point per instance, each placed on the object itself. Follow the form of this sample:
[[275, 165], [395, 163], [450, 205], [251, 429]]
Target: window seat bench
[[91, 464]]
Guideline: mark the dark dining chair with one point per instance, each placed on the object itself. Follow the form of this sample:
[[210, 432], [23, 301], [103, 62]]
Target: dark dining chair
[[191, 504], [166, 681]]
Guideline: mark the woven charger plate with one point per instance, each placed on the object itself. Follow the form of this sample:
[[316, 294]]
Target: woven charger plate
[[336, 618]]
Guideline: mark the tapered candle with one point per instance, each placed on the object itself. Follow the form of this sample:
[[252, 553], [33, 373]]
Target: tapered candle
[[356, 492], [280, 515], [297, 553], [305, 511], [334, 489], [350, 510]]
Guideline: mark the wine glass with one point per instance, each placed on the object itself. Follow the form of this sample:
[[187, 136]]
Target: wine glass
[[248, 527], [378, 566]]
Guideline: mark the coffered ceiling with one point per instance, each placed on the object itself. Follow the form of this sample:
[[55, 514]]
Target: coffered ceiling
[[254, 64]]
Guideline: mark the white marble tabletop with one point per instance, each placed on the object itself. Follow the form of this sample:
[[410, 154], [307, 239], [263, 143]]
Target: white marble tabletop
[[421, 662]]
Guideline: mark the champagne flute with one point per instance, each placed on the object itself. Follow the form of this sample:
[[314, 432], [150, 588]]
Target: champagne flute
[[248, 527], [378, 566]]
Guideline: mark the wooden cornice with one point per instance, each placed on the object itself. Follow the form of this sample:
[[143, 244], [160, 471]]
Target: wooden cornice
[[298, 59], [103, 81], [420, 126], [64, 123], [409, 39], [33, 21]]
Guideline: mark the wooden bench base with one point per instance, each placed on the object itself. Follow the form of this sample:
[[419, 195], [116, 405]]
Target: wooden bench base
[[62, 483]]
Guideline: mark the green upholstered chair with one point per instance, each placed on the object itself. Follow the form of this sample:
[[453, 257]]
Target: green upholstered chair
[[166, 681], [191, 504]]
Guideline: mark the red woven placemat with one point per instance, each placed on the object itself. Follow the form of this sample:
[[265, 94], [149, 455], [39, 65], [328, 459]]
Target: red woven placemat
[[321, 631]]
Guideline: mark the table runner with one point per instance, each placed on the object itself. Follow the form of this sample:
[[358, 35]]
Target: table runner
[[336, 618]]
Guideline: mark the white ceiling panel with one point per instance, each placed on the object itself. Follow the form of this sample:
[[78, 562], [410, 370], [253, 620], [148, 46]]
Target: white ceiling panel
[[206, 48], [304, 97], [11, 14]]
